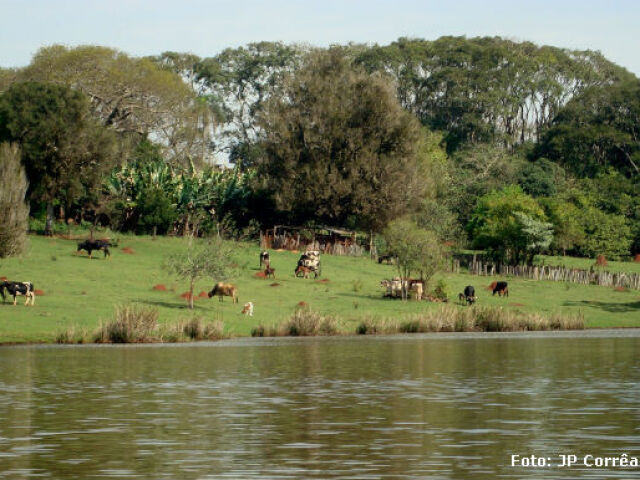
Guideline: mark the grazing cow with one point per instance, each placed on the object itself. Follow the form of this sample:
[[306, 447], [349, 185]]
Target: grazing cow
[[17, 289], [91, 245], [469, 295], [269, 272], [388, 259], [303, 271], [501, 288], [311, 260], [264, 258], [224, 290], [248, 309]]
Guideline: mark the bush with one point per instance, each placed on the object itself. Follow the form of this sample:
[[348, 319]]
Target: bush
[[132, 324]]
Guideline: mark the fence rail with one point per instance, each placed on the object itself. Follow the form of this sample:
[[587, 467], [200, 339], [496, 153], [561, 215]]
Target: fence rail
[[559, 274]]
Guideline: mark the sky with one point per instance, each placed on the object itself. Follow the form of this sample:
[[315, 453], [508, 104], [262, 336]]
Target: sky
[[206, 27]]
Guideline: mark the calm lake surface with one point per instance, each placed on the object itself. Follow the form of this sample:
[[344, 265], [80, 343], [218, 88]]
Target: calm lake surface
[[444, 406]]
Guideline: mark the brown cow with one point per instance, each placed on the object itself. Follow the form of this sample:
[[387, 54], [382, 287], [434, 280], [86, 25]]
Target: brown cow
[[305, 271], [225, 290]]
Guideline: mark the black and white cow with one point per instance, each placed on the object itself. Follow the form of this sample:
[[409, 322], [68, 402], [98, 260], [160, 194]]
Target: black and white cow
[[17, 289], [91, 245], [264, 258], [310, 260]]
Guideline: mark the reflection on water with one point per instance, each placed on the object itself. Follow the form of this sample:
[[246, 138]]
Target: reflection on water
[[444, 406]]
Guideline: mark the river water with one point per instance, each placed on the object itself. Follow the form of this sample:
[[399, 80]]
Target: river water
[[443, 406]]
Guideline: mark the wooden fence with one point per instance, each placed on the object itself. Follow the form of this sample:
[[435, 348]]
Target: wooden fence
[[297, 242], [559, 274]]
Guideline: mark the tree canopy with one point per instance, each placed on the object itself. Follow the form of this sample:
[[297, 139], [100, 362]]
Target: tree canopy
[[338, 146]]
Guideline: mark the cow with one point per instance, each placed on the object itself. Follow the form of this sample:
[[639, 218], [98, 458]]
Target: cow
[[501, 289], [311, 260], [269, 272], [91, 245], [416, 289], [303, 271], [264, 258], [388, 259], [17, 289], [248, 309], [469, 295], [224, 290]]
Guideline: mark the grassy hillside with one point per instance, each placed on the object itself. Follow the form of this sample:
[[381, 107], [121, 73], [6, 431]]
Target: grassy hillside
[[80, 293]]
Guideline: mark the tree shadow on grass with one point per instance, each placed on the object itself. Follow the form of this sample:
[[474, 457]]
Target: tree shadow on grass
[[612, 307]]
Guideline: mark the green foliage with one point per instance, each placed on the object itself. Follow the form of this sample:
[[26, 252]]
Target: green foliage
[[418, 250], [65, 153], [157, 214], [339, 149], [596, 130], [510, 224], [486, 89], [606, 234], [14, 212], [540, 178]]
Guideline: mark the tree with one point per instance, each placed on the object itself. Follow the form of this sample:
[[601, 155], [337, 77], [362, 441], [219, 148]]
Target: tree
[[212, 259], [14, 211], [568, 227], [339, 149], [417, 250], [510, 224], [597, 130], [486, 89], [65, 153], [606, 234], [156, 211]]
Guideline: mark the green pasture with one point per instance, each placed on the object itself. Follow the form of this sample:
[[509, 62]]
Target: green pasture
[[81, 293]]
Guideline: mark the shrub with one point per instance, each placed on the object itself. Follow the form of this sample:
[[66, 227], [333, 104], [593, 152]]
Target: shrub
[[132, 324]]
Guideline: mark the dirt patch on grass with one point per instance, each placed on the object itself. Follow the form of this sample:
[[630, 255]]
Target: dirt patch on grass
[[621, 289], [39, 293], [302, 304], [203, 294], [260, 275], [129, 251], [324, 280], [187, 296], [160, 287], [516, 304], [601, 261], [275, 284]]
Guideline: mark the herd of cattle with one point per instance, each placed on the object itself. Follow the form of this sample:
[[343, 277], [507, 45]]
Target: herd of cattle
[[308, 263]]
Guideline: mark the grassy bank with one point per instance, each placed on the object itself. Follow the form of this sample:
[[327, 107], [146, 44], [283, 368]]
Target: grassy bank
[[81, 294]]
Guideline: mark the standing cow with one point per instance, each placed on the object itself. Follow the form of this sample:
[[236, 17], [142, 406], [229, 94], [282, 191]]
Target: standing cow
[[264, 258], [310, 260], [224, 290], [469, 295], [502, 289], [17, 289], [91, 245]]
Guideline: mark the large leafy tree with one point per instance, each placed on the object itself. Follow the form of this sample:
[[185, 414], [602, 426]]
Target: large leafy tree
[[486, 89], [511, 225], [597, 130], [65, 153], [339, 149]]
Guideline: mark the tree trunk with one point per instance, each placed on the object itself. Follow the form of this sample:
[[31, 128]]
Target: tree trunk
[[191, 294], [155, 231], [48, 225]]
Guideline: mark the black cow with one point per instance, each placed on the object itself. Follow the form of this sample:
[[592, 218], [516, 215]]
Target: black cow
[[469, 295], [388, 259], [501, 288], [91, 245], [17, 289], [264, 258]]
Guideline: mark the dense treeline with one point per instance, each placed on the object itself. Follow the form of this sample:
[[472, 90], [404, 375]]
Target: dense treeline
[[489, 143]]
